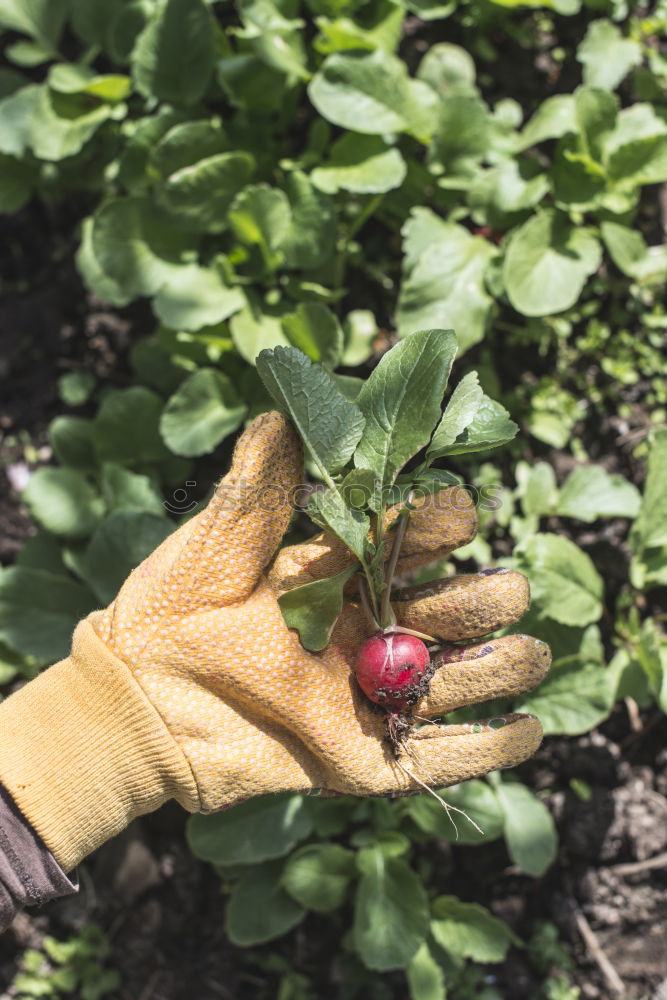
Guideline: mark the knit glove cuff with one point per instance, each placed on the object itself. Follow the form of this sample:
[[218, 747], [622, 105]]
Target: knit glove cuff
[[83, 751]]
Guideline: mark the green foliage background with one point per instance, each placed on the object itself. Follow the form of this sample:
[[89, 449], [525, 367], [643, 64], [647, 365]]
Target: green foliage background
[[333, 174]]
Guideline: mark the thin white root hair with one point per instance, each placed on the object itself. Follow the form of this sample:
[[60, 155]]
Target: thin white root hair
[[449, 809]]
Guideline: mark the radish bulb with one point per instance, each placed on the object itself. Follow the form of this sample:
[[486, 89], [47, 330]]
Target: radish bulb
[[392, 669]]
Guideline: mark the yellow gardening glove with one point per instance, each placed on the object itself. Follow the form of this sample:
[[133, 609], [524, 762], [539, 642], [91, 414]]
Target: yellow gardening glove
[[190, 685]]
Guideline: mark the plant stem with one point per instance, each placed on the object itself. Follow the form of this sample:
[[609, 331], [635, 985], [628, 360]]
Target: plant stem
[[366, 604], [387, 616], [401, 630]]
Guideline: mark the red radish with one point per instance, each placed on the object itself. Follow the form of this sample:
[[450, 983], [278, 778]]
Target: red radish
[[391, 668]]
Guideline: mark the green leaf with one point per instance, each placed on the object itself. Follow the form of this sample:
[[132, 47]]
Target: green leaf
[[554, 118], [607, 57], [459, 414], [53, 126], [256, 328], [261, 828], [318, 876], [311, 237], [564, 581], [547, 263], [259, 909], [462, 134], [105, 288], [39, 611], [443, 283], [74, 388], [125, 490], [126, 427], [195, 297], [497, 194], [330, 425], [249, 83], [650, 652], [381, 30], [401, 401], [276, 38], [448, 69], [187, 143], [391, 911], [425, 977], [42, 551], [200, 194], [72, 441], [625, 246], [650, 528], [120, 543], [42, 20], [329, 511], [63, 502], [349, 385], [476, 798], [28, 54], [575, 697], [468, 930], [260, 215], [636, 150], [529, 829], [315, 330], [359, 489], [16, 183], [370, 92], [360, 330], [536, 486], [589, 492], [137, 246], [73, 78], [596, 113], [203, 411], [490, 427], [313, 608], [363, 164], [174, 56], [92, 22]]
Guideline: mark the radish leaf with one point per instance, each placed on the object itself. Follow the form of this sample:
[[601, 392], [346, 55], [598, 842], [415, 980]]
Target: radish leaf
[[314, 608], [329, 424], [391, 911], [328, 510], [489, 428], [459, 414], [468, 930], [401, 401]]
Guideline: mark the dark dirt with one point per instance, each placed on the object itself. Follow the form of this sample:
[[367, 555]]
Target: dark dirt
[[162, 909], [47, 327]]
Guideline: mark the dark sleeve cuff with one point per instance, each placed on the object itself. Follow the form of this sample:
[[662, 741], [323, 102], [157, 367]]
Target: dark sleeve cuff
[[29, 874]]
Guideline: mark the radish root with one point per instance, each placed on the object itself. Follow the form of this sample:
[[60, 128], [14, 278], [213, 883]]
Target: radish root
[[449, 809]]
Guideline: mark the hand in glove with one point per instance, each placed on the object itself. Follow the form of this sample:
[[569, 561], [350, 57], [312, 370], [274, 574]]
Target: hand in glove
[[190, 685]]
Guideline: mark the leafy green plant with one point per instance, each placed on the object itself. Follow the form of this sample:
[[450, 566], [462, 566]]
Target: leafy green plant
[[276, 856], [75, 967], [361, 449]]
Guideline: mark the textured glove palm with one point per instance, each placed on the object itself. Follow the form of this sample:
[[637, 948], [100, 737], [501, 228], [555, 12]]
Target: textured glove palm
[[196, 639]]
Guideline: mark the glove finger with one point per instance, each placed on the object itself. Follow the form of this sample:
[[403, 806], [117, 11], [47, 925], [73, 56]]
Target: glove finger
[[500, 668], [441, 522], [463, 607], [232, 541], [441, 756]]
